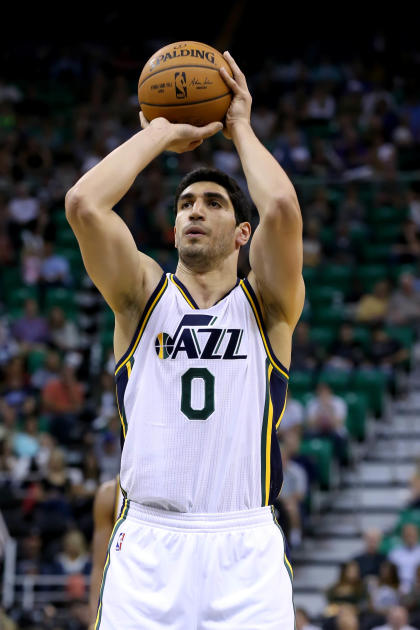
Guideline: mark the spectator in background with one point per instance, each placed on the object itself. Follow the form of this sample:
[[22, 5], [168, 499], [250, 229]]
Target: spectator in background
[[16, 390], [407, 556], [49, 370], [312, 247], [346, 352], [55, 268], [26, 441], [31, 328], [293, 416], [387, 354], [348, 589], [414, 203], [23, 212], [64, 334], [371, 558], [373, 307], [306, 354], [414, 500], [63, 400], [73, 559], [326, 416], [351, 209], [397, 619], [303, 621], [384, 589], [347, 618], [404, 305], [406, 249], [294, 488], [412, 599]]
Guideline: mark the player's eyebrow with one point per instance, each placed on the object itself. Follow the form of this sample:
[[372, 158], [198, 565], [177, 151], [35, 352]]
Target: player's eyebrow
[[206, 195]]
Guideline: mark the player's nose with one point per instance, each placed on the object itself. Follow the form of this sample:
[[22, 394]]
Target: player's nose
[[197, 209]]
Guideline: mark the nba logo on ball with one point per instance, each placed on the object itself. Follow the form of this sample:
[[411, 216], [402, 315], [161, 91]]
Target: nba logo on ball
[[120, 541], [180, 85]]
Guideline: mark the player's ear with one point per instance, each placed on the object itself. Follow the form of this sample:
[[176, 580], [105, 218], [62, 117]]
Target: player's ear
[[243, 233]]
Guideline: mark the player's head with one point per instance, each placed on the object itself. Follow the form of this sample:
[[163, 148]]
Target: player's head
[[212, 217]]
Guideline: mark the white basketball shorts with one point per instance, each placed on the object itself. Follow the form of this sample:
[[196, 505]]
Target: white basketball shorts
[[226, 571]]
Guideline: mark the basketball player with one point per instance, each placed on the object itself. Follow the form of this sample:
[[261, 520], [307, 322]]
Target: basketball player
[[106, 509], [201, 379]]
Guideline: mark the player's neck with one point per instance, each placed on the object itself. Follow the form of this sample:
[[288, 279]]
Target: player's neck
[[207, 287]]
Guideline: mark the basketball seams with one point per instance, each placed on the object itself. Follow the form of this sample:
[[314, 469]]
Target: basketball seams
[[163, 106], [192, 65]]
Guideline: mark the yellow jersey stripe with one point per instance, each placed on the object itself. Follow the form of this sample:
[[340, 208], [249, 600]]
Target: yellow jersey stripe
[[119, 413], [146, 318], [182, 292], [282, 411], [117, 524], [260, 326], [268, 440], [128, 369]]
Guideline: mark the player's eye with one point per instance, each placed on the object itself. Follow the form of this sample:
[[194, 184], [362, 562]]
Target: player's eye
[[185, 204], [214, 204]]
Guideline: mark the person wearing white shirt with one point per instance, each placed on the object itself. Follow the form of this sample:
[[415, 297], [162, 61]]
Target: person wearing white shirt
[[397, 619], [407, 556]]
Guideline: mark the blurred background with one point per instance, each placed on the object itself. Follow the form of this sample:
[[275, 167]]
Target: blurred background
[[336, 99]]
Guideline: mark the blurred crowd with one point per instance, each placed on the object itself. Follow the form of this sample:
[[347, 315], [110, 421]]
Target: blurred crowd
[[348, 134]]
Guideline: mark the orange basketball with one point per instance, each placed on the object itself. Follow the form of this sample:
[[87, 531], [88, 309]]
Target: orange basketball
[[182, 83]]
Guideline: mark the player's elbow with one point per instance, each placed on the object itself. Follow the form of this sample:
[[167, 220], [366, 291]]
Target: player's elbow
[[77, 206]]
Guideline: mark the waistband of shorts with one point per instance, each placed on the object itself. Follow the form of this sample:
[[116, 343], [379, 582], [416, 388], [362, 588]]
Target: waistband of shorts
[[201, 522]]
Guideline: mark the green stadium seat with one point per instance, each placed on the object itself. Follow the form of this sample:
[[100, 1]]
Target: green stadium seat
[[362, 334], [405, 334], [320, 451], [310, 276], [324, 336], [337, 276], [387, 233], [388, 543], [372, 383], [387, 214], [406, 516], [370, 274], [375, 252], [36, 360], [357, 405], [319, 295], [62, 297], [301, 382], [17, 297], [332, 315], [65, 237], [338, 380]]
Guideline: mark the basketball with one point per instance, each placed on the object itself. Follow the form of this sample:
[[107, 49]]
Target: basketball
[[182, 83]]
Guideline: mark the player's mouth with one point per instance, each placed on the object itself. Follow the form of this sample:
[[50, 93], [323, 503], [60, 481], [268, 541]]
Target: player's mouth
[[194, 232]]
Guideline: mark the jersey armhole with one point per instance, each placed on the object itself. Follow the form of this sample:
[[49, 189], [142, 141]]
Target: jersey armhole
[[256, 309], [151, 303]]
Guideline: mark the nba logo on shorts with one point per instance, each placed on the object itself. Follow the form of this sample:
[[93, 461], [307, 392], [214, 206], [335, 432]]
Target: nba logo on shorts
[[119, 541]]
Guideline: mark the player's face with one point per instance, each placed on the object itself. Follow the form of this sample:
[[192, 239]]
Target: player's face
[[205, 225]]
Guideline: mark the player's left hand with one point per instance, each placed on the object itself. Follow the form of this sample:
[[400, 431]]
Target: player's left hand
[[240, 107]]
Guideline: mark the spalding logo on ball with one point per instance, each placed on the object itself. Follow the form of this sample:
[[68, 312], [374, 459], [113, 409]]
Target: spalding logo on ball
[[182, 83]]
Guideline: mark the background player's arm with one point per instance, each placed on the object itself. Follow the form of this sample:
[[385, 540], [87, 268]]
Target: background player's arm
[[276, 247], [103, 523], [117, 268]]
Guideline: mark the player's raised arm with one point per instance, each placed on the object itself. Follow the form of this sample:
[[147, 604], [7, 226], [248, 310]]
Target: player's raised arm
[[109, 252], [276, 247]]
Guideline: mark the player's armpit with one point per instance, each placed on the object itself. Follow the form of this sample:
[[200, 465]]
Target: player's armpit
[[276, 255], [112, 260]]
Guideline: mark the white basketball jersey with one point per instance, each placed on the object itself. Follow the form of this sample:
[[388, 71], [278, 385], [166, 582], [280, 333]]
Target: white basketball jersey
[[200, 394]]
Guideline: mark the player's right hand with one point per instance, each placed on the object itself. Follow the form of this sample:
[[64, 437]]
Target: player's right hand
[[181, 137]]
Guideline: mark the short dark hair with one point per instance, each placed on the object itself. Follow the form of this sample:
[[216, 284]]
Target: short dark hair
[[241, 205]]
